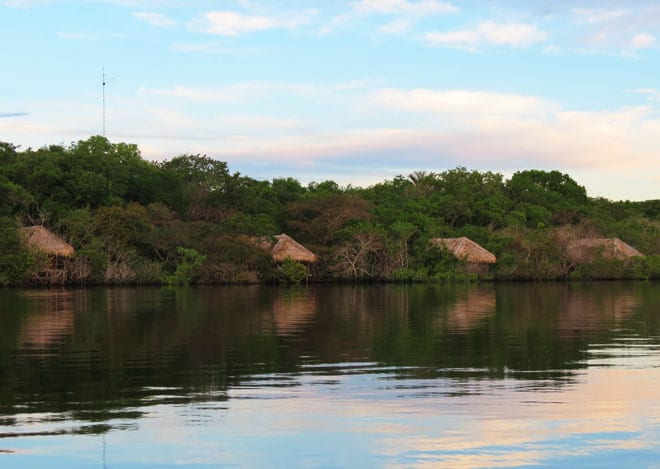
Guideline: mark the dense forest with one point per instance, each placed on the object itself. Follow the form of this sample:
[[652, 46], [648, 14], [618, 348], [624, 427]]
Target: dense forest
[[190, 219]]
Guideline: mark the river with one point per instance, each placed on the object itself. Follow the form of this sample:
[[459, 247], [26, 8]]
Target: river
[[508, 374]]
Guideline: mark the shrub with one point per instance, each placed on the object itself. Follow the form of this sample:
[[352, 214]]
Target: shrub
[[292, 271], [16, 262], [190, 260]]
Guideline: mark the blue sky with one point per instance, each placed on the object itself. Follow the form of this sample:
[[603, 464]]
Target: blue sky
[[357, 91]]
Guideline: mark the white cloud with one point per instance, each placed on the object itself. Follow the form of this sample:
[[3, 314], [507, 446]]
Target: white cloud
[[464, 38], [398, 7], [652, 93], [23, 3], [228, 23], [462, 102], [339, 22], [490, 32], [480, 129], [512, 34], [123, 3], [405, 12], [78, 36], [218, 48], [620, 30], [155, 19], [12, 114], [236, 92], [352, 85], [590, 16], [400, 26], [145, 3], [86, 36], [642, 41], [509, 131], [403, 128], [553, 49], [254, 90], [186, 92]]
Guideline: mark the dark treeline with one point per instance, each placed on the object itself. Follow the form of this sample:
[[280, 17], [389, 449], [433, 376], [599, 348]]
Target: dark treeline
[[191, 219]]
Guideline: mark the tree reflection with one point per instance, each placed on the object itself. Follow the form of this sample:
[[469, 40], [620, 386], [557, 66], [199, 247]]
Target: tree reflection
[[104, 356]]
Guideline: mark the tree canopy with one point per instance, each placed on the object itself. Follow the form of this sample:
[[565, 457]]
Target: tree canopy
[[130, 218]]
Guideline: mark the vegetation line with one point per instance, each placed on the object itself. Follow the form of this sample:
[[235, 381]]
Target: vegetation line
[[190, 220]]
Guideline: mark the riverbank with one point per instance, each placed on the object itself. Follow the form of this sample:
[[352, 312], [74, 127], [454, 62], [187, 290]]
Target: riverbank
[[190, 220]]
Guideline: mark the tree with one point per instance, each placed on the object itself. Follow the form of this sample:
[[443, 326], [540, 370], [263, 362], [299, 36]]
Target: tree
[[209, 190], [186, 268], [469, 197], [288, 190], [16, 262], [559, 197], [321, 219], [361, 255]]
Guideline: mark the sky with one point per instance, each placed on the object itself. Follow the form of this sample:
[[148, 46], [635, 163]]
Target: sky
[[357, 91]]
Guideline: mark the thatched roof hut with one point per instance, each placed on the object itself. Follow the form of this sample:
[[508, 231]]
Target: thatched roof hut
[[39, 238], [285, 246], [587, 250], [466, 249]]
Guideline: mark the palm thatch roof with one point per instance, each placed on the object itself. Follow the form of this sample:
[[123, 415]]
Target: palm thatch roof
[[39, 238], [466, 249], [285, 246], [586, 250]]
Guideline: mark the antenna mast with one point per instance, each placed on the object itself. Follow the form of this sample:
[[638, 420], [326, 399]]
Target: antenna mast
[[104, 81], [103, 96]]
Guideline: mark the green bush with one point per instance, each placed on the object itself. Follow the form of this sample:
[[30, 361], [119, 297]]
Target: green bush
[[292, 271], [423, 275], [410, 275], [653, 266], [190, 260], [638, 268], [16, 262]]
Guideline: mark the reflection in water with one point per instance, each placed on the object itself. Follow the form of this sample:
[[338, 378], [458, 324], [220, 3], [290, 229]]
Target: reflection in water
[[50, 320], [589, 309], [470, 308], [292, 310], [507, 374]]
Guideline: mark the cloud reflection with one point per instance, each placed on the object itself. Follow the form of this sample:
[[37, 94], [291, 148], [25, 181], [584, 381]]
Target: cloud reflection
[[414, 376]]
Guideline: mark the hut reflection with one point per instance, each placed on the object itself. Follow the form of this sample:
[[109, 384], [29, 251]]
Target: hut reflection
[[50, 319], [469, 310], [292, 310], [590, 310]]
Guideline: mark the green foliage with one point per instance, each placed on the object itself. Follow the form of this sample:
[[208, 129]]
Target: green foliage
[[652, 266], [148, 271], [287, 190], [245, 224], [612, 269], [121, 226], [423, 275], [547, 197], [186, 268], [126, 218], [16, 262], [94, 252], [14, 198], [292, 271], [435, 264], [324, 218], [531, 254]]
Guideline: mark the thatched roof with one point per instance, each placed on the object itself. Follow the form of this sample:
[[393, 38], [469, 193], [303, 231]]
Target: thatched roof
[[465, 248], [585, 250], [285, 246], [39, 238]]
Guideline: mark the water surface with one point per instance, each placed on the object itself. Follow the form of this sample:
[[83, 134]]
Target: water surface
[[370, 376]]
